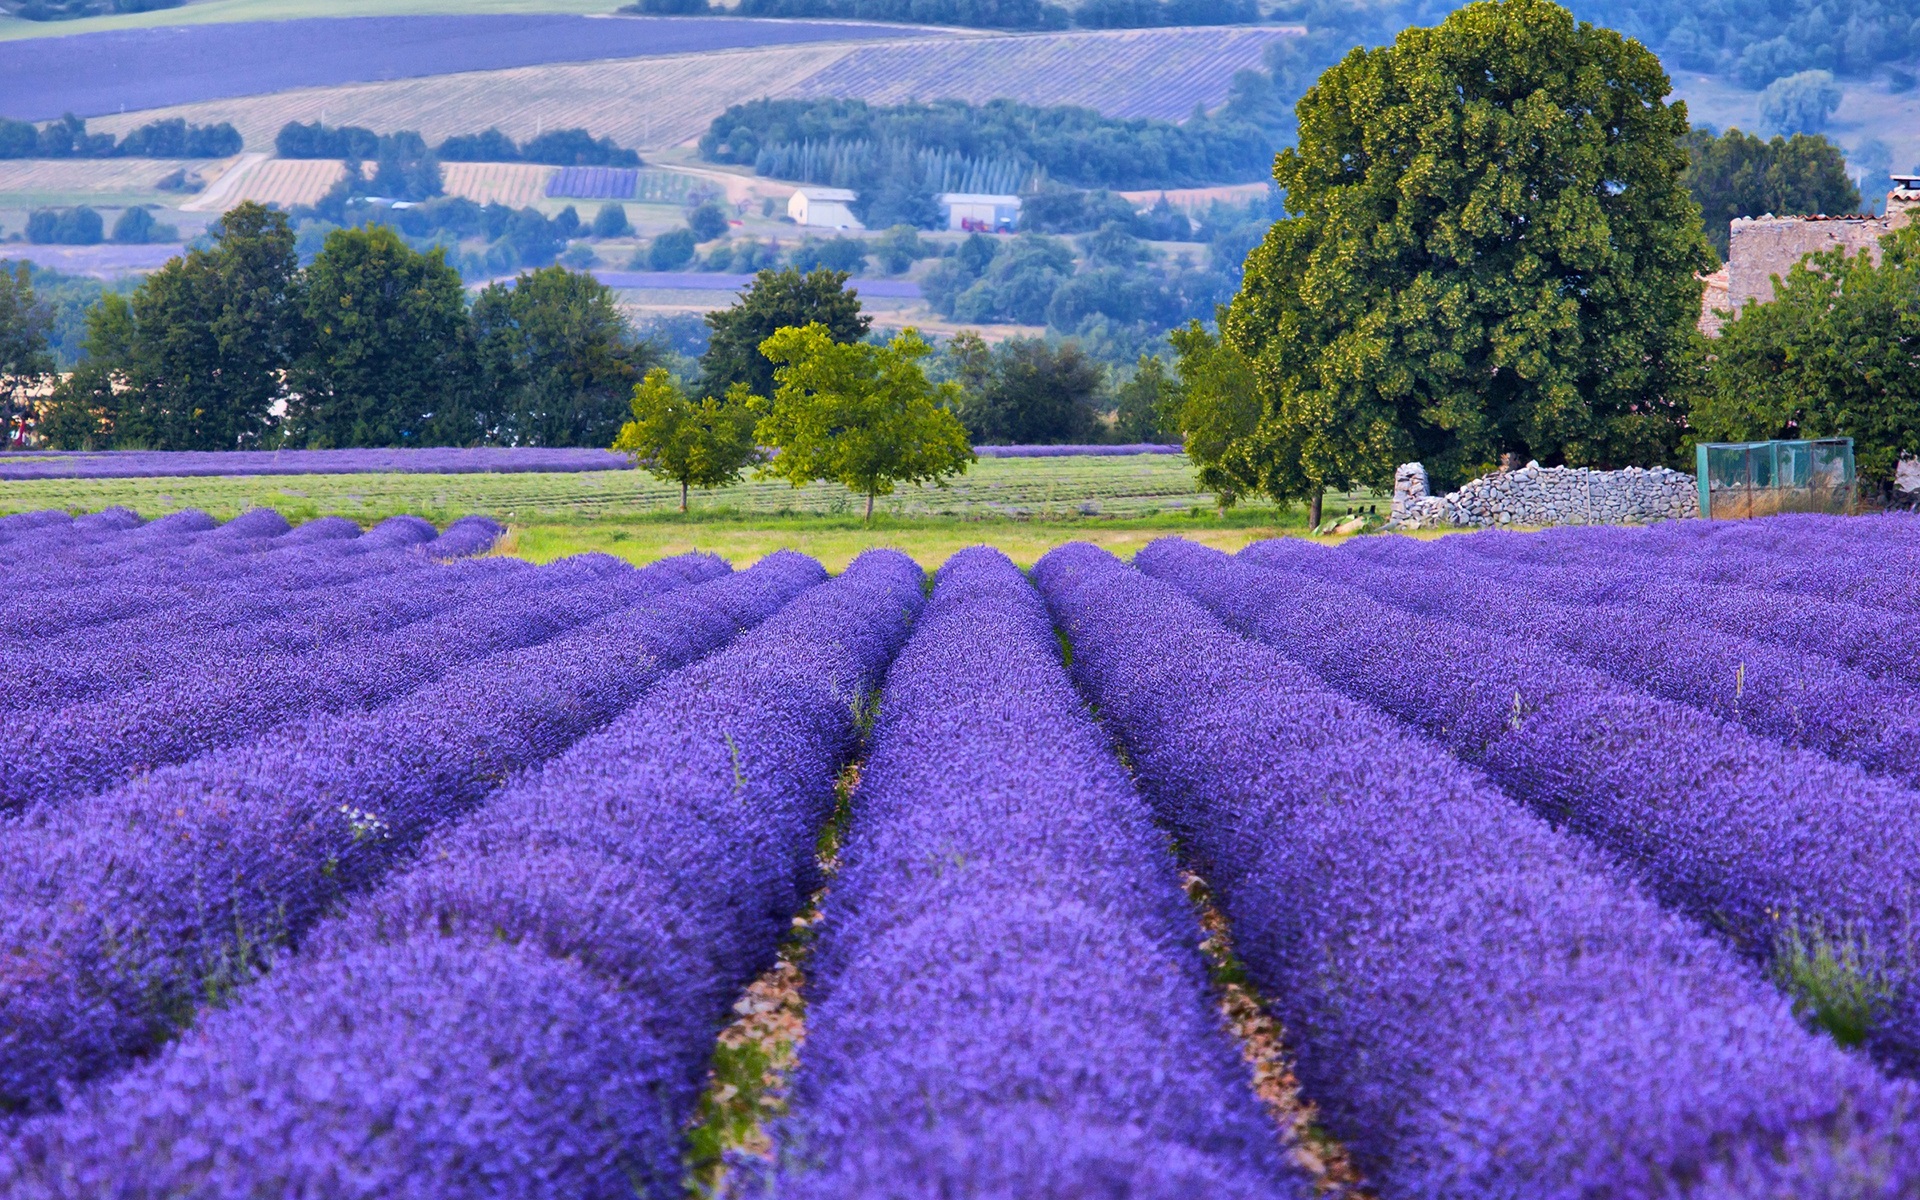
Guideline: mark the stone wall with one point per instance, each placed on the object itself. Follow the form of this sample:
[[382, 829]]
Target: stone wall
[[1536, 495]]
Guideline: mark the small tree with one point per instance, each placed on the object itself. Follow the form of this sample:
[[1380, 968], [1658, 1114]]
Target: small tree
[[25, 363], [703, 443], [860, 415]]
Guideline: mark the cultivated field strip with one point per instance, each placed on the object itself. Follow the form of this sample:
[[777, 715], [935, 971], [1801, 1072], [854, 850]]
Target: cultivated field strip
[[643, 102], [1791, 856], [1482, 1007], [654, 103], [102, 180], [992, 487], [215, 866], [1009, 1000], [282, 181], [517, 185], [552, 973], [1162, 73]]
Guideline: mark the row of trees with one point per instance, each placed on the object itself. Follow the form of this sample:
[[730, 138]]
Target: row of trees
[[555, 147], [373, 344], [68, 138], [985, 14]]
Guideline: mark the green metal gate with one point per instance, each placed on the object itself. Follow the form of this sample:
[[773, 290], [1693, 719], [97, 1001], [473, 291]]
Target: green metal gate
[[1758, 479]]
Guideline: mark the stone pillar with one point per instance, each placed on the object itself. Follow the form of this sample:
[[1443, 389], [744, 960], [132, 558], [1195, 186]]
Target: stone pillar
[[1409, 483]]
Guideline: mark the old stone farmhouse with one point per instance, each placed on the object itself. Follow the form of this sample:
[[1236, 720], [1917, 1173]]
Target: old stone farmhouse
[[1766, 246]]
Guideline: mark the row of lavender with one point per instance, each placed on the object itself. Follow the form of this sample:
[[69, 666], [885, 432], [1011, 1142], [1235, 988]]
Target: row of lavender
[[486, 990]]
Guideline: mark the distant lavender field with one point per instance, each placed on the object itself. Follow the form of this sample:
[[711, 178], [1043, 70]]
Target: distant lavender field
[[97, 73], [154, 464], [135, 464], [1074, 451]]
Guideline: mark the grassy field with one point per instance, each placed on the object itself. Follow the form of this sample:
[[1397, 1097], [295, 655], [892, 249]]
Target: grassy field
[[1021, 505]]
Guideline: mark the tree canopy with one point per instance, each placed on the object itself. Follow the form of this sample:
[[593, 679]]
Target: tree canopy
[[777, 300], [1024, 391], [1491, 250], [1835, 354], [556, 361], [859, 415], [1736, 174], [703, 443], [385, 346], [25, 360]]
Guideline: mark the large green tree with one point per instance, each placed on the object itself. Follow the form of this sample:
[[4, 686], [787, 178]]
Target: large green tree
[[1024, 391], [1737, 175], [777, 300], [859, 415], [1491, 251], [386, 350], [557, 361], [85, 412], [1835, 354], [703, 443], [25, 362]]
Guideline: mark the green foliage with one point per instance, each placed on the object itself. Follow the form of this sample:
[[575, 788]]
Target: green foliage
[[25, 361], [708, 221], [1738, 175], [1492, 252], [671, 250], [611, 221], [200, 350], [777, 300], [386, 344], [1075, 146], [68, 138], [1801, 102], [900, 247], [860, 415], [556, 363], [78, 226], [1024, 391], [1831, 356], [136, 227], [1144, 404], [704, 443], [1216, 410], [1835, 980]]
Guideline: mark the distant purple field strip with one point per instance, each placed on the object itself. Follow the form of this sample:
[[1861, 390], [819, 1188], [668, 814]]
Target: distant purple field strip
[[97, 73], [137, 464], [720, 281]]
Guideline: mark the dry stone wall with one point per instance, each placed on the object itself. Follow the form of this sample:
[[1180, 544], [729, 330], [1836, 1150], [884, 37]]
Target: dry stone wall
[[1536, 495]]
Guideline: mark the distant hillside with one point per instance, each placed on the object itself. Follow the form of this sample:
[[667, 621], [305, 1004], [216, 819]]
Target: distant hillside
[[652, 103]]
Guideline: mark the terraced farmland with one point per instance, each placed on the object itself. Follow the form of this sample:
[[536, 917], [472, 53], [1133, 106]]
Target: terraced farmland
[[665, 101]]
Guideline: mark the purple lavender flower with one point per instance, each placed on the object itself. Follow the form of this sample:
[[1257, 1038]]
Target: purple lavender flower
[[1007, 1001], [1481, 1006], [121, 910], [530, 1010]]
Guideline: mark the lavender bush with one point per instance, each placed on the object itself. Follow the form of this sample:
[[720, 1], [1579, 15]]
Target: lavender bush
[[174, 888], [1731, 828], [1481, 1007], [1007, 1001], [529, 1011], [84, 747]]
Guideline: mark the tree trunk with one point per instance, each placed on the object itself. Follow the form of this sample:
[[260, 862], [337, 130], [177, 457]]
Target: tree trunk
[[1313, 510], [683, 495], [869, 508]]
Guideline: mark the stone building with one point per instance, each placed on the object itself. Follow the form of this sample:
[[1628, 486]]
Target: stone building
[[1766, 246]]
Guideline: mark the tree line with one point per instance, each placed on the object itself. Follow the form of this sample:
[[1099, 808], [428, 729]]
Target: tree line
[[555, 147], [68, 138], [1074, 146], [372, 344]]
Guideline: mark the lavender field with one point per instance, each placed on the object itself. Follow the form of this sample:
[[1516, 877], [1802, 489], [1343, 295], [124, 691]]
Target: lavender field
[[1562, 865], [94, 74]]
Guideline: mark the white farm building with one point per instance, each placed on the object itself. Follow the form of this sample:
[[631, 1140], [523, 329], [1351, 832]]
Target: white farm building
[[823, 207], [979, 213]]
